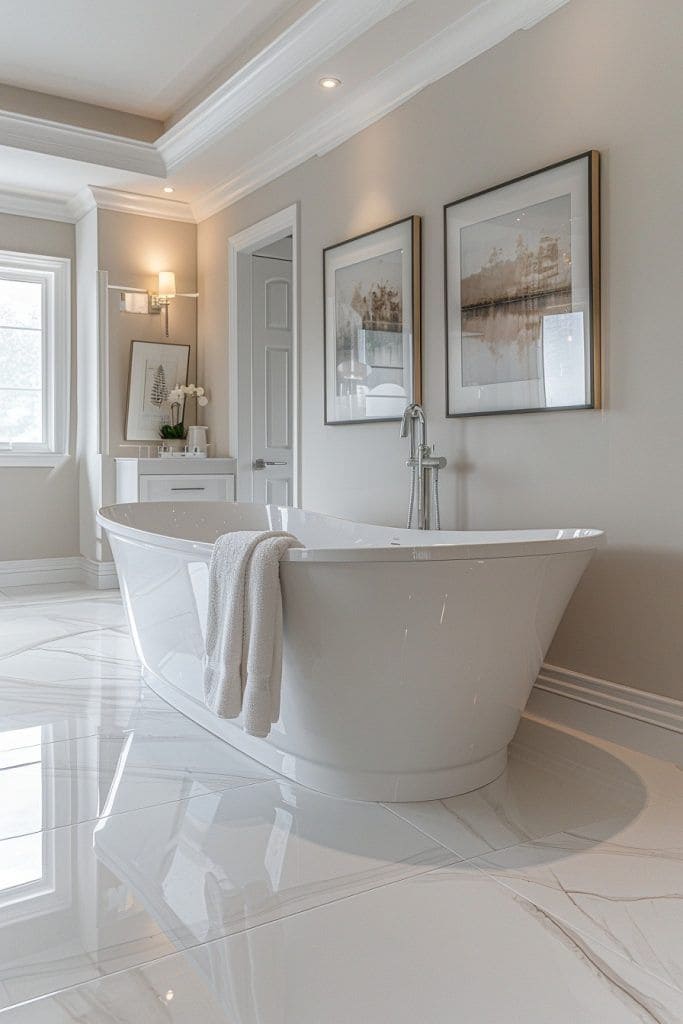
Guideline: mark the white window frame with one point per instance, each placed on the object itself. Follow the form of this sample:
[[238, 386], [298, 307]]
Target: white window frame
[[54, 275], [52, 891]]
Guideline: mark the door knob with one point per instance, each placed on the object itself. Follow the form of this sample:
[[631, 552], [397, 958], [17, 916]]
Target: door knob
[[262, 463]]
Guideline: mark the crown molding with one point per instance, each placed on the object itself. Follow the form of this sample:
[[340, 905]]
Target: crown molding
[[43, 205], [80, 204], [462, 41], [19, 131], [51, 206], [326, 29], [94, 196]]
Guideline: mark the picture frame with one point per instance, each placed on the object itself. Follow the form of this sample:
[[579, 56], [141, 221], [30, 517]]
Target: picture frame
[[372, 288], [155, 369], [522, 288]]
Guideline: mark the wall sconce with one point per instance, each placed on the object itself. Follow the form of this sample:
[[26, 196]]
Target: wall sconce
[[166, 292], [139, 300]]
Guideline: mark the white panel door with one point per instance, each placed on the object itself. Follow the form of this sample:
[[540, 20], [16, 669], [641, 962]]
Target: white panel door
[[271, 399]]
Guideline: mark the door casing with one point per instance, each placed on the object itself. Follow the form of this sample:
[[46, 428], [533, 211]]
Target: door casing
[[240, 249]]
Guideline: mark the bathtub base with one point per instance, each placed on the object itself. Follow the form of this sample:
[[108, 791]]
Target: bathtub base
[[347, 783]]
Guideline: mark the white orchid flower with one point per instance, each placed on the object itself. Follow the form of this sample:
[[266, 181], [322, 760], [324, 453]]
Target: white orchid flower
[[182, 391]]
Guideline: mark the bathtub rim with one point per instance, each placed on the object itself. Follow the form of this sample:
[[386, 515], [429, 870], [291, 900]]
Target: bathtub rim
[[574, 539]]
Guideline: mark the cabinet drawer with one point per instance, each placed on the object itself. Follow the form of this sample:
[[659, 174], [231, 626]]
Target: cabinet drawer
[[186, 488]]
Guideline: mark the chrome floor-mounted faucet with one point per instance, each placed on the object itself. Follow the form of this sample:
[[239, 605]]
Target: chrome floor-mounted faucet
[[424, 465]]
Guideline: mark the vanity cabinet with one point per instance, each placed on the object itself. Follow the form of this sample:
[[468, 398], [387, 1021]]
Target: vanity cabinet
[[175, 479]]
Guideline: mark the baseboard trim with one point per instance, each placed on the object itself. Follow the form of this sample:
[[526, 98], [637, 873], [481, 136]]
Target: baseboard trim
[[632, 718], [100, 575], [644, 707], [72, 569]]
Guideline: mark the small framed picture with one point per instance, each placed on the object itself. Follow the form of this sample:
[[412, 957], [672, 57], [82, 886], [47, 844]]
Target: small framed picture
[[523, 293], [155, 369], [372, 294]]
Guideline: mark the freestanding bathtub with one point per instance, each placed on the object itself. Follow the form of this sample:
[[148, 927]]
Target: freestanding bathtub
[[408, 656]]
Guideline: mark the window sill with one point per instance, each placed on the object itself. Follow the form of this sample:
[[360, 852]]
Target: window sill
[[29, 460]]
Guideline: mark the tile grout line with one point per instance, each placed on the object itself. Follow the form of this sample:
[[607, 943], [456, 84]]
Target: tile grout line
[[131, 810], [181, 951], [241, 931]]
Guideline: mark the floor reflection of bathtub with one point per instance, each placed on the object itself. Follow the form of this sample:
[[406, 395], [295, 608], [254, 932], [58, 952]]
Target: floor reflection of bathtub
[[221, 865], [226, 876], [408, 657]]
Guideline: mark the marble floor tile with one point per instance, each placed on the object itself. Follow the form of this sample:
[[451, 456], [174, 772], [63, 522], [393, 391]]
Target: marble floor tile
[[150, 873], [188, 872], [90, 715], [110, 696], [104, 611], [619, 884], [445, 947], [89, 655], [63, 782], [37, 592], [660, 777], [20, 632], [76, 674], [554, 781]]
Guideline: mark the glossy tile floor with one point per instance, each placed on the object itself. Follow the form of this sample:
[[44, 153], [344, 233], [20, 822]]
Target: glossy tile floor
[[149, 873]]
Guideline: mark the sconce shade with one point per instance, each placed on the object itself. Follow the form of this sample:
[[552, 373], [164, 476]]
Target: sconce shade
[[167, 284]]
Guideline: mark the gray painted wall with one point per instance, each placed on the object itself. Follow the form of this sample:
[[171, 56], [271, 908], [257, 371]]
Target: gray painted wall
[[602, 75]]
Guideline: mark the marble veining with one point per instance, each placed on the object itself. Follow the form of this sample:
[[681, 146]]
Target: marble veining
[[150, 872]]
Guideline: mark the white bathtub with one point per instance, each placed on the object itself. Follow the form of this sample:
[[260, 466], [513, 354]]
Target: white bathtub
[[408, 657]]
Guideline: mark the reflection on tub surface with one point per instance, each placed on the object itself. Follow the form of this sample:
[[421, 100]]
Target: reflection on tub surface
[[408, 656]]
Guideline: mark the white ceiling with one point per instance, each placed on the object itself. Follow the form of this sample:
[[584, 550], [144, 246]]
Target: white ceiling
[[257, 108], [144, 57]]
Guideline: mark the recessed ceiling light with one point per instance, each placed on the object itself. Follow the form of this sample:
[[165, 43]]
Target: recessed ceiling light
[[330, 83], [169, 189]]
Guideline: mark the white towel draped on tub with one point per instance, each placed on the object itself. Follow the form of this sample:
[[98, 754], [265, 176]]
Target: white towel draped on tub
[[244, 628]]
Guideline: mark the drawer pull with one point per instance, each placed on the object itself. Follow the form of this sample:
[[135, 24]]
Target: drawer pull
[[188, 488]]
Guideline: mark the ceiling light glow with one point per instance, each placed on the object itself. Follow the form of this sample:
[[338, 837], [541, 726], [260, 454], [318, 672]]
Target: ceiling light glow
[[330, 83], [169, 189]]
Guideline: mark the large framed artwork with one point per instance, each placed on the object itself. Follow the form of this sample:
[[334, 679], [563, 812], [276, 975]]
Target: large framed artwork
[[372, 289], [155, 369], [523, 293]]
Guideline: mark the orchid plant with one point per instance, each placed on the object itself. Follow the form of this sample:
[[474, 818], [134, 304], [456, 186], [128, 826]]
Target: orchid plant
[[177, 400]]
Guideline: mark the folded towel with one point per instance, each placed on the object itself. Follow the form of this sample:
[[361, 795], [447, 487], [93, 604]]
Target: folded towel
[[244, 628]]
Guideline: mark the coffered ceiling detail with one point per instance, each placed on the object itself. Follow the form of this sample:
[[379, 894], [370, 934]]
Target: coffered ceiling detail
[[238, 113]]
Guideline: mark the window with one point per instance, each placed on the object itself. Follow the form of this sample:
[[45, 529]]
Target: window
[[35, 343], [28, 880]]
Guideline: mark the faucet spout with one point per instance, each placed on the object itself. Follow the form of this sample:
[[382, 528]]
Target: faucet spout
[[424, 467], [413, 422]]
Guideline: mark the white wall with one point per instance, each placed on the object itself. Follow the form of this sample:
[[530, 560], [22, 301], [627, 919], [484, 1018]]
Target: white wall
[[39, 506], [604, 75]]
